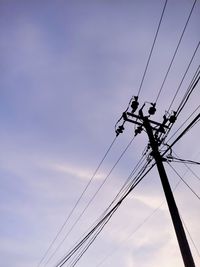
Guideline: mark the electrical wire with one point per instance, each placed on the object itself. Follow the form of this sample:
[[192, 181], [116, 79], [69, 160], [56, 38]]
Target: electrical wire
[[191, 88], [135, 180], [190, 236], [69, 255], [116, 197], [117, 205], [138, 227], [196, 176], [176, 50], [191, 60], [148, 60], [144, 222], [182, 134], [77, 202], [151, 51], [129, 182], [176, 160], [126, 185], [182, 124], [80, 254], [195, 124], [179, 160], [131, 235], [88, 204], [184, 181], [183, 102]]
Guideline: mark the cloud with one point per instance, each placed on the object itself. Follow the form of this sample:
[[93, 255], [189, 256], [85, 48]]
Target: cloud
[[75, 171]]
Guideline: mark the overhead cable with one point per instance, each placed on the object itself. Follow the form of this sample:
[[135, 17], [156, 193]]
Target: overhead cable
[[179, 160], [182, 134], [183, 124], [176, 50], [189, 92], [151, 51], [192, 190], [88, 204], [183, 102], [117, 197], [195, 175], [70, 254], [192, 240], [191, 60], [76, 204], [189, 87]]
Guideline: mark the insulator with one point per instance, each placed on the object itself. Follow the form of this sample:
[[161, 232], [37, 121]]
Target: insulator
[[152, 109], [165, 119], [172, 118], [134, 104], [120, 129], [161, 129], [138, 130], [124, 116]]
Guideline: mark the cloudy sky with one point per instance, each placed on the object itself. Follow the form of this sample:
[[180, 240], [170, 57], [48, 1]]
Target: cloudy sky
[[67, 71]]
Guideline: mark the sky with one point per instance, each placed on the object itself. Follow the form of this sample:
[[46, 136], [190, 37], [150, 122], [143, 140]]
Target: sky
[[67, 72]]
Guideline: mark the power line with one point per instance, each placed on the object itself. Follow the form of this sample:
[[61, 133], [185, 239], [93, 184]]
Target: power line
[[118, 194], [171, 158], [182, 134], [69, 255], [131, 183], [183, 102], [131, 235], [147, 64], [77, 202], [176, 50], [192, 240], [194, 121], [143, 222], [151, 51], [184, 76], [88, 204], [138, 227], [191, 88], [190, 169], [182, 124], [127, 184], [80, 254], [184, 181]]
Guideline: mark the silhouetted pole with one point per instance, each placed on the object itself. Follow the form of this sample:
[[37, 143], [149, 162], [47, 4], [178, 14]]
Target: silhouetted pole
[[155, 130], [180, 233]]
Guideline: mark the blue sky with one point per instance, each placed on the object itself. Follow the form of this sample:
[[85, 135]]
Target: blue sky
[[67, 72]]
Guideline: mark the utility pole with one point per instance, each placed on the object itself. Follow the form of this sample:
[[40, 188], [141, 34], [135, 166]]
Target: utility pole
[[153, 131]]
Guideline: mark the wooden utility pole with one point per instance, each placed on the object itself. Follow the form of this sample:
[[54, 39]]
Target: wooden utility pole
[[145, 123]]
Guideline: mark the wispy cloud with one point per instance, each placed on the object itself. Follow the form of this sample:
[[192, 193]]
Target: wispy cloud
[[75, 171]]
